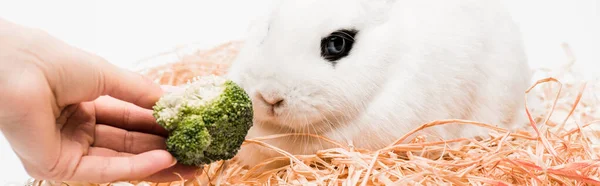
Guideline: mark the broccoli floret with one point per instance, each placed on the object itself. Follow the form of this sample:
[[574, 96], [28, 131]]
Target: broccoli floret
[[208, 120]]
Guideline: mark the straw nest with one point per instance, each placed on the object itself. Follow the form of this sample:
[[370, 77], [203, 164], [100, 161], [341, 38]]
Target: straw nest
[[558, 147]]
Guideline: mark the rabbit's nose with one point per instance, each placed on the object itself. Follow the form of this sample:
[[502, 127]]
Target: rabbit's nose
[[271, 99]]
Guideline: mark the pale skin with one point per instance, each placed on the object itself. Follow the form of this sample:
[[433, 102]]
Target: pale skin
[[70, 115]]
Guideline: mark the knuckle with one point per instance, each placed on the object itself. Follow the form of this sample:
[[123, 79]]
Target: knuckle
[[126, 115], [129, 141], [102, 84]]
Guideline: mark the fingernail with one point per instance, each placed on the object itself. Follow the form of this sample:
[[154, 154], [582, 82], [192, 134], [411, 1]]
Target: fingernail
[[174, 162]]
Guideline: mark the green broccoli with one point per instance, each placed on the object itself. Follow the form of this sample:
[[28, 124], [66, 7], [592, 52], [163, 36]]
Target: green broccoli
[[208, 120]]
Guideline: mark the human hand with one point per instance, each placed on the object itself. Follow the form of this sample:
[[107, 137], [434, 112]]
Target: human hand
[[71, 116]]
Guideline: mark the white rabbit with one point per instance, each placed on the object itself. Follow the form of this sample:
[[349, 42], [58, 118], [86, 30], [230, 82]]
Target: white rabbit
[[366, 72]]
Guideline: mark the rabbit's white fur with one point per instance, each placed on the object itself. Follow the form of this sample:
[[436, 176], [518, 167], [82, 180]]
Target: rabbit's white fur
[[413, 62]]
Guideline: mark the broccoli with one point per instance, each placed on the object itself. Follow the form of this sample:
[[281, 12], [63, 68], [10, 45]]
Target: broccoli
[[207, 121]]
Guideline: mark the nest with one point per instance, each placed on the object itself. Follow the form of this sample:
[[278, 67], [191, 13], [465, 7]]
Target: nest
[[558, 147]]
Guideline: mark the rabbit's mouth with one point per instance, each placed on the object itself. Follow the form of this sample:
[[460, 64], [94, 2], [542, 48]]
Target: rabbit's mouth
[[317, 127], [300, 118], [293, 119]]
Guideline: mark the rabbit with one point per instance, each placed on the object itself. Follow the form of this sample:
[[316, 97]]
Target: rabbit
[[366, 72]]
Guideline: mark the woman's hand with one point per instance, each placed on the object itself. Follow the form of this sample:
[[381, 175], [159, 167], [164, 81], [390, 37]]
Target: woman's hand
[[71, 116]]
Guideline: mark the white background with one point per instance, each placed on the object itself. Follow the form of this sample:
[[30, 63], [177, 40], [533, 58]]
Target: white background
[[126, 31]]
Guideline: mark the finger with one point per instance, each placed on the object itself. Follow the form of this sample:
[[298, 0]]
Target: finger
[[187, 172], [126, 141], [131, 87], [127, 116], [104, 152], [78, 76], [99, 169]]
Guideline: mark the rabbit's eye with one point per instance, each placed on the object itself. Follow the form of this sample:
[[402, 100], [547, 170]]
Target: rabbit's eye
[[337, 45]]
